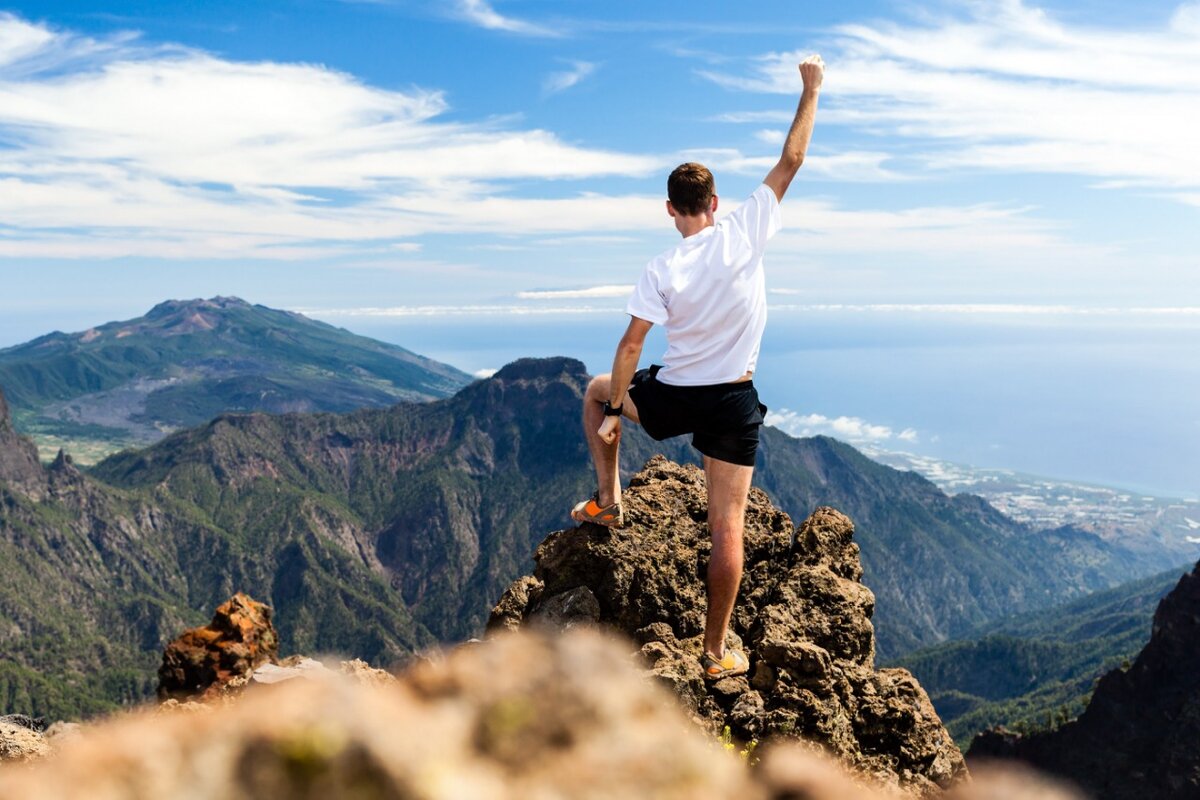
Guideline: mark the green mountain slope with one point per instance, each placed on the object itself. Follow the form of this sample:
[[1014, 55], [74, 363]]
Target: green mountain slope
[[379, 530], [185, 362], [1038, 668]]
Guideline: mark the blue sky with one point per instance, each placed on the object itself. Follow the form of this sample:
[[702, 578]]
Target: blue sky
[[398, 156], [1013, 166]]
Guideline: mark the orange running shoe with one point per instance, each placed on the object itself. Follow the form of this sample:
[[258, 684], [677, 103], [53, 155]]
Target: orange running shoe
[[734, 663], [591, 511]]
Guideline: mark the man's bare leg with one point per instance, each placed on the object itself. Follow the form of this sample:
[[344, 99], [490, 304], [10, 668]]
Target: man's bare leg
[[728, 488], [605, 455]]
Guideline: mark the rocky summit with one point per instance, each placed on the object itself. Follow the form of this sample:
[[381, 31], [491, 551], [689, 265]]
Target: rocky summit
[[1138, 736], [803, 618]]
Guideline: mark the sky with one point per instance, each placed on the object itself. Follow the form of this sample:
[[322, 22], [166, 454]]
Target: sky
[[384, 159]]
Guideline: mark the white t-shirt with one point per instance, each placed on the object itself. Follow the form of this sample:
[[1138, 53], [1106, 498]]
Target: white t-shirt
[[710, 293]]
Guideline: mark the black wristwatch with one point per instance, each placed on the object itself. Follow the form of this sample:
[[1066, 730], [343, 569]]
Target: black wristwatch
[[609, 411]]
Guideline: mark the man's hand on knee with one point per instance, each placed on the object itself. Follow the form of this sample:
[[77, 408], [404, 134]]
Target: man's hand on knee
[[610, 429]]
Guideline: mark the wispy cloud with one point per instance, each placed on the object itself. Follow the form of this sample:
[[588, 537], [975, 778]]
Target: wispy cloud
[[118, 148], [1187, 315], [561, 81], [454, 311], [998, 309], [848, 166], [481, 13], [851, 429], [1009, 87], [563, 294]]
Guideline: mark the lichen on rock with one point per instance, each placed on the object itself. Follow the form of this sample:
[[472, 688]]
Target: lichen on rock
[[803, 617]]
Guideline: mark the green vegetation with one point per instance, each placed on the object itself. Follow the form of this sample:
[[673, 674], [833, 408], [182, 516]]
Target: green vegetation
[[378, 532], [1037, 670], [749, 751]]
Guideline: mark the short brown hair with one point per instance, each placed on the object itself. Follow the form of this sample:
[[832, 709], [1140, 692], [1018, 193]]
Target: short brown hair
[[691, 188]]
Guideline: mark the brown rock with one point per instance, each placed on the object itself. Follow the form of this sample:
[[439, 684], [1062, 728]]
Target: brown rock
[[20, 743], [204, 660], [803, 618]]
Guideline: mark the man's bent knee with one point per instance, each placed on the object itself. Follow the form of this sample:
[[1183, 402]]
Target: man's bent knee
[[599, 387]]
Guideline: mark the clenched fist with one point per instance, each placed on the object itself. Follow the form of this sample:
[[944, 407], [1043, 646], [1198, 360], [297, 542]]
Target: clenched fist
[[812, 71], [610, 429]]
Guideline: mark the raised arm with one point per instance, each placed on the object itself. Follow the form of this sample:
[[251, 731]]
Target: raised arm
[[812, 71]]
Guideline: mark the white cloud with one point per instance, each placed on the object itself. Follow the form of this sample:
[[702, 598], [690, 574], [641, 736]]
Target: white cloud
[[999, 309], [564, 294], [561, 81], [853, 165], [598, 293], [1009, 87], [851, 429], [484, 373], [481, 13], [115, 149], [771, 136], [453, 311]]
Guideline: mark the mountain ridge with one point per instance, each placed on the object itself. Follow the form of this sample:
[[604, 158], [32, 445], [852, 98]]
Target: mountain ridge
[[378, 531]]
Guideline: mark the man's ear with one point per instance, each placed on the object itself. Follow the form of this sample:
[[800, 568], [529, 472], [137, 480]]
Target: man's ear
[[714, 204], [671, 210]]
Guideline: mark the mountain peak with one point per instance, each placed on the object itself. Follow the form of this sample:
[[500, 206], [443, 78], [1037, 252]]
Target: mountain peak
[[532, 369], [195, 305]]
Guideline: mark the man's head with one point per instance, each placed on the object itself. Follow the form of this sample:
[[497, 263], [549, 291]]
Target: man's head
[[691, 190]]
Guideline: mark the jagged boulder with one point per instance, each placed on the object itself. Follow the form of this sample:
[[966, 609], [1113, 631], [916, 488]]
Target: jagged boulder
[[803, 617], [202, 660], [1140, 734]]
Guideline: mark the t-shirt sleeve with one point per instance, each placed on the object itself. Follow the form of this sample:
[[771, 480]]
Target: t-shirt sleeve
[[758, 218], [647, 302]]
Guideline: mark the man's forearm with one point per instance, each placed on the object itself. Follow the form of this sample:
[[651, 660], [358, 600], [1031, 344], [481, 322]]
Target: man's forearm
[[625, 363], [795, 147]]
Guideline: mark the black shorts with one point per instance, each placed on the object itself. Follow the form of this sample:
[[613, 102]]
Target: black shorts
[[723, 418]]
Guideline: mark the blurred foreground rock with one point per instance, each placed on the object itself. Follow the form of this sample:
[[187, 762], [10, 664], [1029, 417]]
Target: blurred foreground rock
[[517, 717], [203, 660], [803, 617]]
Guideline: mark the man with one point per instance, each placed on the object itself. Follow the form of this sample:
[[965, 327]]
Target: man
[[709, 292]]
